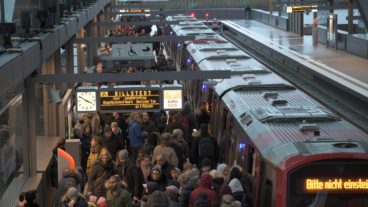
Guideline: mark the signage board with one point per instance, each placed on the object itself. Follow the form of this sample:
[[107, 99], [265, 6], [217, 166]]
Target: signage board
[[129, 99], [132, 50], [172, 99], [302, 8], [336, 184]]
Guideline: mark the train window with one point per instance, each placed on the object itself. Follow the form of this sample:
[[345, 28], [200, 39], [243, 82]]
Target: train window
[[329, 183]]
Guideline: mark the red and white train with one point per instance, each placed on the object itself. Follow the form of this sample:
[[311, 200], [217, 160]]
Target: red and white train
[[294, 151]]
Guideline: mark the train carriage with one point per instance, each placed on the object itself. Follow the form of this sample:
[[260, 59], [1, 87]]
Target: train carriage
[[293, 151]]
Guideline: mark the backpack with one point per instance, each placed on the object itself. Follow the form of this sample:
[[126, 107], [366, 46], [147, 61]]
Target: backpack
[[206, 147]]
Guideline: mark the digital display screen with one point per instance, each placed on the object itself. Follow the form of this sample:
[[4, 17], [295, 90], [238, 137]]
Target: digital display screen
[[129, 100], [336, 184], [173, 99]]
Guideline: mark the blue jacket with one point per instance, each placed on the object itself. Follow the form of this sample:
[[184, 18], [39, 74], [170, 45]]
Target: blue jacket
[[135, 134]]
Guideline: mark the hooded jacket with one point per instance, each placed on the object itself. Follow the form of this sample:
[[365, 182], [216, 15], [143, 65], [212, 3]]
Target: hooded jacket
[[99, 174], [205, 187]]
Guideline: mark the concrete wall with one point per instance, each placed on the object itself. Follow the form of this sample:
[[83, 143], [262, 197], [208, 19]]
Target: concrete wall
[[346, 42], [272, 20]]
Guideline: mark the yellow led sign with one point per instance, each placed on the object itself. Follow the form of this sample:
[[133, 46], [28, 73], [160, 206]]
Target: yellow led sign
[[338, 184], [126, 100]]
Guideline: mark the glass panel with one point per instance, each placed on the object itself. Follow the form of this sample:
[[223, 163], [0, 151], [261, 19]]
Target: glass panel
[[329, 183], [12, 145]]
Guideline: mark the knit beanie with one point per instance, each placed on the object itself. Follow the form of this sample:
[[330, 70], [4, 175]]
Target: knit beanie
[[221, 167], [72, 193]]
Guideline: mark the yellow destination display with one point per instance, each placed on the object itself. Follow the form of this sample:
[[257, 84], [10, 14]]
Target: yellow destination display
[[130, 100], [336, 184]]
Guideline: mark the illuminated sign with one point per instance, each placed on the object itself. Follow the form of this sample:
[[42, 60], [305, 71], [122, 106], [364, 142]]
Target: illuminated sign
[[336, 184], [302, 8], [172, 99], [129, 99]]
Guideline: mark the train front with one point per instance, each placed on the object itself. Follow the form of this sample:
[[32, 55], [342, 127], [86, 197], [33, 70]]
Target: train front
[[327, 174]]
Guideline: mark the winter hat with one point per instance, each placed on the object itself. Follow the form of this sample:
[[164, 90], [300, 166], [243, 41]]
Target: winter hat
[[158, 199], [177, 133], [156, 167], [152, 187], [227, 199], [202, 200], [221, 167], [102, 202], [206, 180], [123, 155], [72, 193], [235, 186], [173, 188], [107, 129], [174, 183], [165, 138]]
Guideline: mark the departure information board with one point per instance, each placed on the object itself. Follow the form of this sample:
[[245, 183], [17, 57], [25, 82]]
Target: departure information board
[[120, 100]]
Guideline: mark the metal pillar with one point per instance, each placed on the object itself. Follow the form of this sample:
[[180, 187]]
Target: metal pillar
[[91, 45], [29, 100], [350, 18], [81, 61], [2, 7]]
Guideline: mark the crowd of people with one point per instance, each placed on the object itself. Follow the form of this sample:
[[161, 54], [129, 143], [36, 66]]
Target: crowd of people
[[148, 159]]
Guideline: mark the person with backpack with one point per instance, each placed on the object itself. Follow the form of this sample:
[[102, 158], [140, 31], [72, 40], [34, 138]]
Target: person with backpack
[[205, 147]]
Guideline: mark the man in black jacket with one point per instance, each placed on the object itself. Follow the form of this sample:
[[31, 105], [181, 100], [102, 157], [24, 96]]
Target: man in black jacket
[[205, 147]]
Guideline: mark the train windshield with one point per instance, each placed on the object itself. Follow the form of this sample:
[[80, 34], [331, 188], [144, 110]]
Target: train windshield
[[332, 183]]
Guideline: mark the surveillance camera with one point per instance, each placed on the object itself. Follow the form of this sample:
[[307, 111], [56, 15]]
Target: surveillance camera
[[54, 95]]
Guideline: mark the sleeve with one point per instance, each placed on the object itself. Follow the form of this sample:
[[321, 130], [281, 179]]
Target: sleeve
[[138, 132], [92, 177], [217, 150], [194, 152], [154, 154], [174, 158]]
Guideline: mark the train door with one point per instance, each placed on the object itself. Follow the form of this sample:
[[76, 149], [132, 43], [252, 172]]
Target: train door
[[221, 131], [257, 178], [229, 139], [267, 188], [214, 115]]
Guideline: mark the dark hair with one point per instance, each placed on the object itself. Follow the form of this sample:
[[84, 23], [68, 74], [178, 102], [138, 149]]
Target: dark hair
[[98, 139], [235, 173]]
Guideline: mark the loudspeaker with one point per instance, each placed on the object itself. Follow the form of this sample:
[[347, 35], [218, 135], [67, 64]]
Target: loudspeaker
[[42, 15], [25, 21], [7, 29], [54, 95]]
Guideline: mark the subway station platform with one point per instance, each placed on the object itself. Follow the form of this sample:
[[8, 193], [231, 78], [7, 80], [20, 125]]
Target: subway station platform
[[341, 68]]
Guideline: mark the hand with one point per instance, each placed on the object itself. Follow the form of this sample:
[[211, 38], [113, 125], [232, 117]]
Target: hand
[[71, 203], [135, 199]]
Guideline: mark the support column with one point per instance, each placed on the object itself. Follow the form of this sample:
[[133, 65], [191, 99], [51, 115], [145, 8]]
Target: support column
[[350, 18], [81, 60], [270, 6], [91, 45], [29, 100]]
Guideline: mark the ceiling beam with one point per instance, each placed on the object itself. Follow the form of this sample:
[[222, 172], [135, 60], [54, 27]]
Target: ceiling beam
[[137, 76]]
